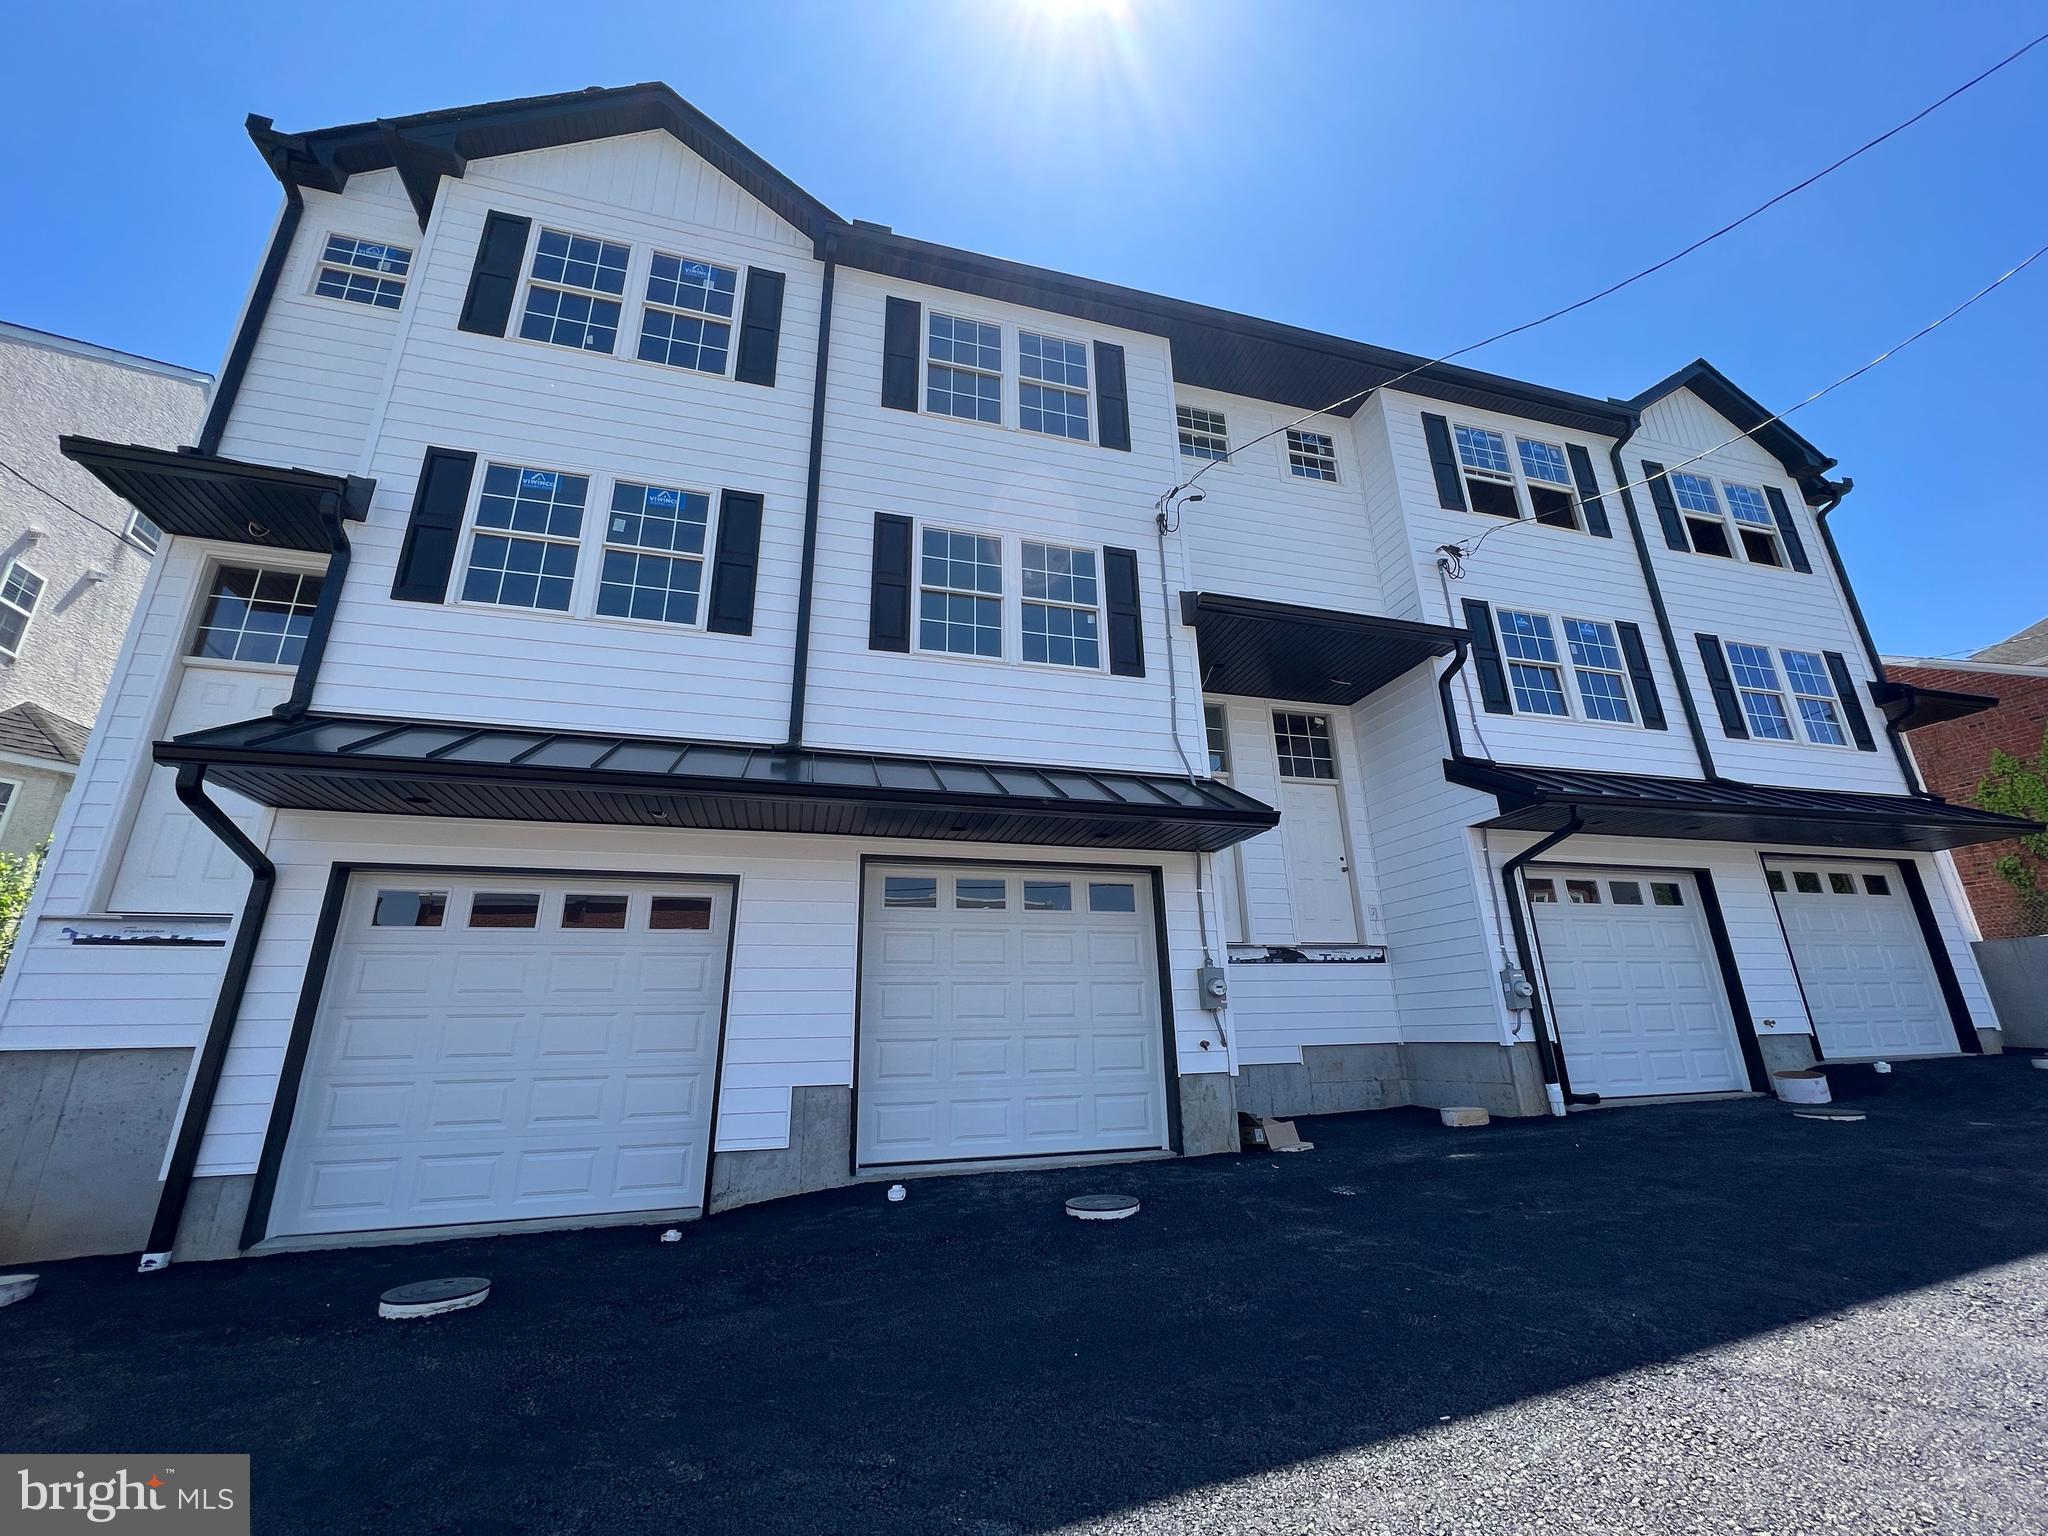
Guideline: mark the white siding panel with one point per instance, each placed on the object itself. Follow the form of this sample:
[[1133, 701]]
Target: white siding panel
[[1276, 1009]]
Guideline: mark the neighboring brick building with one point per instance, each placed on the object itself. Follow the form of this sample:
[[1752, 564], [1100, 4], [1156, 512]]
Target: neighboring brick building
[[1955, 755]]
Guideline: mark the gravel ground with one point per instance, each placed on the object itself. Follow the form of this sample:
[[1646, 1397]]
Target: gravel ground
[[1711, 1317]]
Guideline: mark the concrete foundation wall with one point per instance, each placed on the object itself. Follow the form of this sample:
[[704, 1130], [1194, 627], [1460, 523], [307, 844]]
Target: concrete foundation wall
[[1785, 1053], [1208, 1114], [1338, 1079], [82, 1137], [211, 1224], [2016, 973], [819, 1154]]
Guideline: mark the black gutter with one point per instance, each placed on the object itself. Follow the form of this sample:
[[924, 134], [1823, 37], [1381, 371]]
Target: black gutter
[[800, 662], [231, 372], [213, 1050], [336, 512], [1836, 490], [1443, 688], [1664, 629], [1555, 1086]]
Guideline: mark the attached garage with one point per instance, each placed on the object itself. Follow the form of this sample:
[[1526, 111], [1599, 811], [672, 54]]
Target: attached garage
[[1634, 988], [492, 1050], [1008, 1012], [1864, 967]]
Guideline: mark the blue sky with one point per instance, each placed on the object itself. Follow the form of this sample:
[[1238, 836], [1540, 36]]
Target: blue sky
[[1416, 175]]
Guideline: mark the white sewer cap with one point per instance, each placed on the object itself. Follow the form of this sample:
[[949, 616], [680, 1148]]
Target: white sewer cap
[[2041, 1063], [15, 1288], [898, 1192], [1465, 1116], [1102, 1207], [430, 1298]]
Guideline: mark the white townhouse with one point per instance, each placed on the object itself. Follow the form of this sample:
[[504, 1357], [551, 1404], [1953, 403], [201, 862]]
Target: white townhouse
[[655, 696]]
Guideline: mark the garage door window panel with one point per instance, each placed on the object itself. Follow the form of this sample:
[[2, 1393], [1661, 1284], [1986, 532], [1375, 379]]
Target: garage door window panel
[[1118, 897], [594, 912], [910, 891], [505, 909], [1048, 896], [409, 909], [980, 895], [671, 914]]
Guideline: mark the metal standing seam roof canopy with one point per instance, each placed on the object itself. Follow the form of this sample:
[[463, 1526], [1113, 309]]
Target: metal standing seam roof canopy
[[204, 496], [1537, 799], [430, 768], [1263, 650]]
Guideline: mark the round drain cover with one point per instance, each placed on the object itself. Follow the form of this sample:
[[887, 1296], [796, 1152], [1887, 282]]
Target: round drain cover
[[427, 1298], [1101, 1207]]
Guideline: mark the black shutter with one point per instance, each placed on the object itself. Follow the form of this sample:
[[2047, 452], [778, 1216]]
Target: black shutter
[[760, 328], [733, 566], [1493, 679], [1589, 492], [1795, 548], [1112, 404], [1640, 677], [1443, 460], [1126, 626], [434, 527], [1723, 687], [899, 356], [1852, 707], [1667, 506], [889, 584], [495, 277]]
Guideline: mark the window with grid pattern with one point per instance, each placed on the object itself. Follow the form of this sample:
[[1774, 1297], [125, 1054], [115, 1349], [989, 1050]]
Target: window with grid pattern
[[960, 596], [529, 523], [687, 320], [1489, 478], [1548, 480], [1303, 745], [1598, 669], [1311, 455], [1216, 732], [362, 272], [963, 371], [19, 594], [1813, 694], [1061, 622], [1052, 386], [257, 615], [653, 565], [1754, 524], [574, 295], [1534, 671], [1763, 697], [1203, 434], [1701, 508]]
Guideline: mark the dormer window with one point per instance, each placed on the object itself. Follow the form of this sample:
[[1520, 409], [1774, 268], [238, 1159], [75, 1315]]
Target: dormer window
[[1700, 507], [362, 272], [1489, 477], [1754, 524], [573, 298]]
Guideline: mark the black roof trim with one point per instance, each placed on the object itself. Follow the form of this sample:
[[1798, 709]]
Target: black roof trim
[[427, 145], [1253, 648], [204, 496], [439, 768], [1542, 799], [1802, 461], [1911, 707]]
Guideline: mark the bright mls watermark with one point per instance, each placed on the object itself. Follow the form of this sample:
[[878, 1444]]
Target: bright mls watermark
[[170, 1495]]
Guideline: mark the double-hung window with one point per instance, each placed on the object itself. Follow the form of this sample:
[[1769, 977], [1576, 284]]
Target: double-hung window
[[1203, 434], [19, 593], [960, 593], [573, 297], [653, 565], [1548, 480], [963, 371], [1754, 524], [1599, 671], [1529, 645], [1052, 386], [1763, 696], [529, 525], [143, 534], [1311, 455], [687, 320], [1062, 624], [257, 615], [1700, 508], [362, 271], [1813, 694], [1489, 478]]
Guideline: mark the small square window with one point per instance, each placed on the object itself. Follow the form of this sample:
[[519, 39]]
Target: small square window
[[1877, 885], [910, 891], [1203, 434], [504, 909], [1118, 897], [1541, 890], [362, 272], [1311, 455], [1303, 745], [1582, 893], [1665, 893], [1806, 882], [1841, 884], [588, 912], [979, 895], [668, 914], [1775, 879], [1626, 893], [1048, 896], [409, 909], [253, 615]]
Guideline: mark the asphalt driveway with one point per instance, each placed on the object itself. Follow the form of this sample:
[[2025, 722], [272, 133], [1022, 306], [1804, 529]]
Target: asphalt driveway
[[1709, 1317]]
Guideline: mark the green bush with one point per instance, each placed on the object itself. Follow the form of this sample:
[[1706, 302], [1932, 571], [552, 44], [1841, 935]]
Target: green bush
[[2018, 786], [18, 873]]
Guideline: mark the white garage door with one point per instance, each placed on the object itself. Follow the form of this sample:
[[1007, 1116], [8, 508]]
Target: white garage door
[[1870, 987], [1008, 1013], [1635, 990], [508, 1049]]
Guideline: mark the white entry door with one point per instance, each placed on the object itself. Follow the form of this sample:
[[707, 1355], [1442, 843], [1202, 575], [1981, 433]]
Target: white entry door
[[1634, 986], [1008, 1012], [1318, 863], [508, 1049], [1862, 959]]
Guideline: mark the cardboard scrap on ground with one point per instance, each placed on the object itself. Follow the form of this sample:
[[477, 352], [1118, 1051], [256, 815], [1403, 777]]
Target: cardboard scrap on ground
[[1272, 1134]]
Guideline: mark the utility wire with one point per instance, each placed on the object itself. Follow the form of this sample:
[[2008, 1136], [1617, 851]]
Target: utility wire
[[1614, 288], [38, 486]]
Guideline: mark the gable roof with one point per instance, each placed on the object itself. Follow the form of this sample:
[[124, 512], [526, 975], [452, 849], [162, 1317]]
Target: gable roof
[[1802, 461], [29, 730]]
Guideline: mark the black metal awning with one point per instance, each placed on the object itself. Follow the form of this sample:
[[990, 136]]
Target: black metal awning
[[203, 496], [1535, 799], [1909, 707], [427, 768], [1268, 650]]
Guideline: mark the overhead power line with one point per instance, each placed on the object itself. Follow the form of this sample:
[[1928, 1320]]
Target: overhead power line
[[39, 486]]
